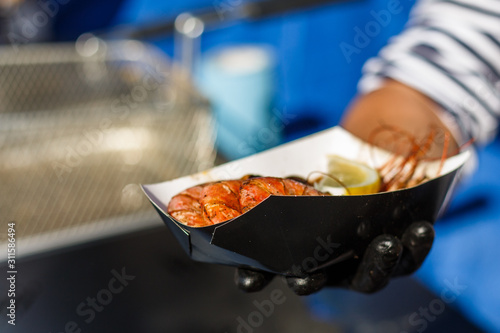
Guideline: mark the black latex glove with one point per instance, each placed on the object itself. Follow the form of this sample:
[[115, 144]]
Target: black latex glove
[[385, 257]]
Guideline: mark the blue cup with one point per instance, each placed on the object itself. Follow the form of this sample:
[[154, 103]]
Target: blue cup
[[239, 82]]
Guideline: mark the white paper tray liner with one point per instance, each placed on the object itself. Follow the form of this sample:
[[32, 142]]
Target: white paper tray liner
[[299, 158]]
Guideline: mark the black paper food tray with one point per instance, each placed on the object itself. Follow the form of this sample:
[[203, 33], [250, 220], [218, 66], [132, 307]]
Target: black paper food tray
[[288, 235]]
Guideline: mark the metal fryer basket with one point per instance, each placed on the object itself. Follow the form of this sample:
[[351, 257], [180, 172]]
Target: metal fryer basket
[[82, 125]]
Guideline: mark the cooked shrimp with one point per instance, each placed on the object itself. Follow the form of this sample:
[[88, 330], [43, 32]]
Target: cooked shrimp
[[255, 190], [220, 201], [399, 172], [216, 202]]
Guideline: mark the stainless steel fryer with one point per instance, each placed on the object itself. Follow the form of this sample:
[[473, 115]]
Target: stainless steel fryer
[[81, 126]]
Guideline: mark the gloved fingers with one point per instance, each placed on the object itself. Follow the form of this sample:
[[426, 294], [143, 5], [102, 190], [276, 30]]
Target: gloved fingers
[[251, 280], [417, 242], [307, 285], [377, 265], [386, 256]]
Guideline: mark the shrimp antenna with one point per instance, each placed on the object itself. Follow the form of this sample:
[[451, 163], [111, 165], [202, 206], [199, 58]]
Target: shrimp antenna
[[325, 174]]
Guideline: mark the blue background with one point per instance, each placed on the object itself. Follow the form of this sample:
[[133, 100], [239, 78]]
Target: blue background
[[314, 80]]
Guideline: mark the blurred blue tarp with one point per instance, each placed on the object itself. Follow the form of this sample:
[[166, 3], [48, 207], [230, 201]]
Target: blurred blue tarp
[[319, 51]]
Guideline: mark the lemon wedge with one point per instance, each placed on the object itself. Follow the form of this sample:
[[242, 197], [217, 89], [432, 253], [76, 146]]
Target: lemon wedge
[[355, 178]]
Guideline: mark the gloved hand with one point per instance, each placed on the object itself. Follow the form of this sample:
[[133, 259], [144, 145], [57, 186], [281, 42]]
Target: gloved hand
[[386, 256]]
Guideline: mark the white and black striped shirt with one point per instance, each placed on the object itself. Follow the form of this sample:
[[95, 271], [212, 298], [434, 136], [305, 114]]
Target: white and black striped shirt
[[450, 50]]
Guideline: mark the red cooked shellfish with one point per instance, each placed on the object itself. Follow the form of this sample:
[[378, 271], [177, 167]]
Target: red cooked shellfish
[[220, 201]]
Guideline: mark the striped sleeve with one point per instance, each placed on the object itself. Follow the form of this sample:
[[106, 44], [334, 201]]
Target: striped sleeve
[[450, 51]]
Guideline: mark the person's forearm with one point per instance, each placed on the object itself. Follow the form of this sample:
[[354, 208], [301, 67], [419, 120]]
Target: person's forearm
[[396, 106], [448, 51]]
